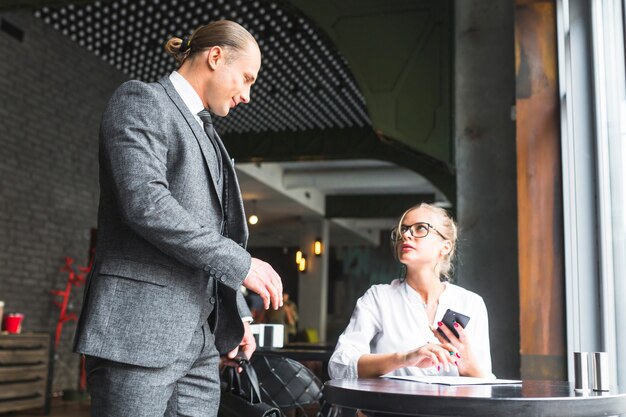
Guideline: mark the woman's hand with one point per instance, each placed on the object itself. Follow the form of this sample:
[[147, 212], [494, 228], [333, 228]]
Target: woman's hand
[[432, 354], [463, 357], [371, 365]]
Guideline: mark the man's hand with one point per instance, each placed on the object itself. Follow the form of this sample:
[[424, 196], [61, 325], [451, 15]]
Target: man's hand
[[245, 348], [263, 280]]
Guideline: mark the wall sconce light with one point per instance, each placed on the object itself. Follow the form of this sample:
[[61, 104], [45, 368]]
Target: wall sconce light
[[302, 264], [253, 219], [318, 247], [298, 257]]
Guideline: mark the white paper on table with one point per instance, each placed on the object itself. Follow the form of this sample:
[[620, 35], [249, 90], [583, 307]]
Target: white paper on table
[[455, 380]]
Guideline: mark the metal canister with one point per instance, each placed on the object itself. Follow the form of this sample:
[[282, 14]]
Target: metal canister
[[581, 371], [600, 371]]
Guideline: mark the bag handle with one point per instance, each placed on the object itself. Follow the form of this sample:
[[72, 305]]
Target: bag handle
[[255, 391], [235, 382]]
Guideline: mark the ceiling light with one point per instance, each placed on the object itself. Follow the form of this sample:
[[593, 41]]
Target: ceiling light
[[302, 264], [318, 248]]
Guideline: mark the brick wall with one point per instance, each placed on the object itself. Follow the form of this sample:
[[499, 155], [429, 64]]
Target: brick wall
[[52, 94]]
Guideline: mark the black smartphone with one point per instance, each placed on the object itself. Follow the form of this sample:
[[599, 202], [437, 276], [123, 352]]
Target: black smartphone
[[450, 318]]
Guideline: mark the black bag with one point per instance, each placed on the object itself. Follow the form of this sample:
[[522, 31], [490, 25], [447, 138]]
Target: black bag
[[240, 395], [284, 382]]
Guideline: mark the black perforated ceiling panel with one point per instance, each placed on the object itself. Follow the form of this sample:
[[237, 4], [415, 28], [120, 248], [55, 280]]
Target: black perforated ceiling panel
[[304, 82]]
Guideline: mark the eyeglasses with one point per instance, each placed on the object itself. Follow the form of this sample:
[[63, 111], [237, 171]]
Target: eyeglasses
[[418, 230]]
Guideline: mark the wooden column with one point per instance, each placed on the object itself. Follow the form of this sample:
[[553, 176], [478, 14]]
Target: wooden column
[[539, 188]]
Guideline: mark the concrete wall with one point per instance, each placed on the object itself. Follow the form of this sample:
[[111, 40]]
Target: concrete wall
[[52, 94]]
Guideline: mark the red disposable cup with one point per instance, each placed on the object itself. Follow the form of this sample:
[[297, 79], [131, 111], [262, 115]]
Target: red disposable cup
[[12, 322]]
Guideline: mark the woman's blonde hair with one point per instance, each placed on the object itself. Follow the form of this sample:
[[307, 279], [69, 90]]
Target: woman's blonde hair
[[225, 33], [448, 230]]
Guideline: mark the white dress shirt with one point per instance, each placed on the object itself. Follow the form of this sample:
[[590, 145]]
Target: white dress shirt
[[391, 318], [188, 94]]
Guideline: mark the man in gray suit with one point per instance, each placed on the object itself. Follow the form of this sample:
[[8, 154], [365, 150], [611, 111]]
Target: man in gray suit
[[163, 300]]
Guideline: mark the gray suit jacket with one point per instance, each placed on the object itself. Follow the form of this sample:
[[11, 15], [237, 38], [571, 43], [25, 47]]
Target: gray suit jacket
[[165, 233]]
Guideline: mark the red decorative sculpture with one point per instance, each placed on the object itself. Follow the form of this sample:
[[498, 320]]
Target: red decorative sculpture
[[73, 279]]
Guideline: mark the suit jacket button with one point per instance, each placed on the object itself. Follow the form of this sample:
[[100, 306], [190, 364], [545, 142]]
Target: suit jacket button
[[212, 300], [222, 279]]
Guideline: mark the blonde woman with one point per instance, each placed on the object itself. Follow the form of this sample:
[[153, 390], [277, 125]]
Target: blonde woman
[[393, 329]]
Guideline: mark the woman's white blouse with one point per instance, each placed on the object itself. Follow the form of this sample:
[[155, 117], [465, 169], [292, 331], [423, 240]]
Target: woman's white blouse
[[391, 318]]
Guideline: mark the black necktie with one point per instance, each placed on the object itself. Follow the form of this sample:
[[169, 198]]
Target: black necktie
[[205, 116]]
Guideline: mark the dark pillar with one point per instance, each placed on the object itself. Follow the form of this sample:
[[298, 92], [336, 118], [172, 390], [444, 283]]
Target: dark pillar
[[486, 169]]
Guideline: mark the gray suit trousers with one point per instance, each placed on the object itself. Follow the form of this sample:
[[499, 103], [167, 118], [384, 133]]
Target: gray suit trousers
[[188, 387]]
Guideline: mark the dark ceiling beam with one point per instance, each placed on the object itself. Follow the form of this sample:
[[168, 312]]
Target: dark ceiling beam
[[373, 206], [12, 5], [334, 144]]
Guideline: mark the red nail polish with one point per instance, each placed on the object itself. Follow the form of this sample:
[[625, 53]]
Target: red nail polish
[[456, 363], [438, 368], [439, 324], [458, 356], [456, 324]]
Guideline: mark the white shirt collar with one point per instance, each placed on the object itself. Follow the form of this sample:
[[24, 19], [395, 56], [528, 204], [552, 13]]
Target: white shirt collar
[[188, 94]]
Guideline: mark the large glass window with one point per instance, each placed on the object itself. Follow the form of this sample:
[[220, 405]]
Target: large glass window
[[618, 187], [610, 113], [592, 80]]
